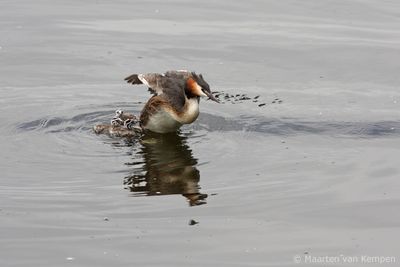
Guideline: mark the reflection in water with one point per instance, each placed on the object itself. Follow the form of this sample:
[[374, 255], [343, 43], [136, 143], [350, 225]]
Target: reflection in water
[[161, 164], [168, 168]]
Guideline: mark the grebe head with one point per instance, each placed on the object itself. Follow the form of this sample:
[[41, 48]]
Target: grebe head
[[197, 86]]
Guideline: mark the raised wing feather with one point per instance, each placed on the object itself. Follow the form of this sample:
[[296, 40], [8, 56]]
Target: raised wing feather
[[154, 81], [170, 86], [178, 74]]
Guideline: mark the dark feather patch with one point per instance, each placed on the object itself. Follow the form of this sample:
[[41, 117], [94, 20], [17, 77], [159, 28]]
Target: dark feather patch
[[152, 107], [133, 79]]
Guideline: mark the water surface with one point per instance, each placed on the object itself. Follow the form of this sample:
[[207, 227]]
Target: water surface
[[314, 171]]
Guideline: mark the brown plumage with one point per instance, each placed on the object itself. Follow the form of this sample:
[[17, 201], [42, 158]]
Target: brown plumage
[[151, 108]]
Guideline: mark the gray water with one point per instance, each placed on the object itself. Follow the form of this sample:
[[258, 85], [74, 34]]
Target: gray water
[[312, 173]]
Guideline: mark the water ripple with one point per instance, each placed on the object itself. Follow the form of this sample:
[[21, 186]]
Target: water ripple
[[209, 122], [294, 126]]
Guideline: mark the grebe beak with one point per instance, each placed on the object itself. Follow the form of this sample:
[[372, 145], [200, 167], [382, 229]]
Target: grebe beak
[[210, 95]]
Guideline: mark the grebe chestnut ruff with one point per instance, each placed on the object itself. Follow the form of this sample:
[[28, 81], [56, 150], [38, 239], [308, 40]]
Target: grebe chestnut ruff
[[175, 101]]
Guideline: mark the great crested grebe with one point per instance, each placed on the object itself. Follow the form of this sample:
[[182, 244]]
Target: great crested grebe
[[175, 100]]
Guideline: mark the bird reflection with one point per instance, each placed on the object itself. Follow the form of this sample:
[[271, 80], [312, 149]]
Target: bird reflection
[[168, 167]]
